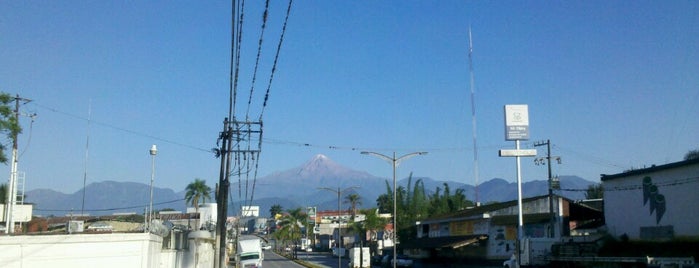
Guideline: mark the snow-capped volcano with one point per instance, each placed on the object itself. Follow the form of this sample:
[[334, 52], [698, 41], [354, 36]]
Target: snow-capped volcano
[[321, 165], [319, 171]]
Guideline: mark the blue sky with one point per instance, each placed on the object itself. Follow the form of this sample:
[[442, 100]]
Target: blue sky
[[612, 84]]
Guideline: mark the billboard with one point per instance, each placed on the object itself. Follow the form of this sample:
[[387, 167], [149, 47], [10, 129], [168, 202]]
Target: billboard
[[516, 122]]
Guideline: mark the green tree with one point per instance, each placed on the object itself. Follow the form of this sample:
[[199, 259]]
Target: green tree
[[385, 201], [274, 210], [9, 125], [594, 191], [290, 226], [693, 154], [196, 191], [370, 226], [353, 200], [3, 193]]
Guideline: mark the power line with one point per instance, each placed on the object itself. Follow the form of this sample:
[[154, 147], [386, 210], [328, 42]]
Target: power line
[[276, 58], [137, 133], [674, 182], [592, 159], [257, 58], [109, 209]]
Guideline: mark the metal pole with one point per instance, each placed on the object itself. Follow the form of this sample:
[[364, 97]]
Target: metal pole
[[395, 213], [339, 222], [394, 162], [519, 206], [153, 152], [339, 229]]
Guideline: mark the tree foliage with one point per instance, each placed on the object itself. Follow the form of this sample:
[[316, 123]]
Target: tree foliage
[[196, 191], [3, 193], [415, 204], [291, 225], [371, 224], [8, 123], [693, 154], [353, 200], [594, 191], [274, 210]]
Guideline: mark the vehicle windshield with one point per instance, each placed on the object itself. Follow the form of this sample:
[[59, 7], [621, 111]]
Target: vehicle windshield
[[249, 257]]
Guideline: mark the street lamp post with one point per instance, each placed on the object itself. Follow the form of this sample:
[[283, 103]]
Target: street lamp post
[[153, 152], [394, 162], [339, 223]]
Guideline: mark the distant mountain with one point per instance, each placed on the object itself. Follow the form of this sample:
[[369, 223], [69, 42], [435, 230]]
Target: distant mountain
[[107, 197], [293, 188]]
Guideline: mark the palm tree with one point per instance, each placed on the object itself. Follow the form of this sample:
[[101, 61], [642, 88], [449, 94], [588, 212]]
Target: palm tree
[[354, 200], [290, 226], [371, 225], [197, 190], [274, 210]]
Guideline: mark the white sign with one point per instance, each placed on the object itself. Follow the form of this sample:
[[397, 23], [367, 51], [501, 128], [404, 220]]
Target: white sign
[[523, 152], [311, 214], [516, 122]]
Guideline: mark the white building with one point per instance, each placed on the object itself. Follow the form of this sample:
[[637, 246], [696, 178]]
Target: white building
[[208, 213], [143, 250], [659, 202]]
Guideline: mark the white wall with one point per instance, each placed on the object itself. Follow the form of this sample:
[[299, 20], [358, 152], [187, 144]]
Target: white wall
[[625, 211], [208, 213], [81, 250], [23, 213]]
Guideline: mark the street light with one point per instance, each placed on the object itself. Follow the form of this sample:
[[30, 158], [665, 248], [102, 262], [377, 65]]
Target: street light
[[153, 152], [394, 162], [339, 223]]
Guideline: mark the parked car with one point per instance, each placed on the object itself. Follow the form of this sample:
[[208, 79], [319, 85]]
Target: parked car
[[401, 261]]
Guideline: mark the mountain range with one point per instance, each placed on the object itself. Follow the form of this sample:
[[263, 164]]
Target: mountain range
[[296, 187]]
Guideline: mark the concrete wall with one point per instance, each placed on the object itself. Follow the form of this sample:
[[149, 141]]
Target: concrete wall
[[23, 213], [629, 207], [104, 250], [81, 250]]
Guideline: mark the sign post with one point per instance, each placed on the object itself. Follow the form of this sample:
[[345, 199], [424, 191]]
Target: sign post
[[516, 129]]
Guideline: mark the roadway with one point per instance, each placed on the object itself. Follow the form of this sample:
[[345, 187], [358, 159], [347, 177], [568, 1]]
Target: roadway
[[317, 259]]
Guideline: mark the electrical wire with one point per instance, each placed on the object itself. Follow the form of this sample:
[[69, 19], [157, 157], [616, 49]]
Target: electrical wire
[[236, 48], [111, 209], [257, 59], [673, 182], [592, 159], [133, 132], [31, 130], [276, 59]]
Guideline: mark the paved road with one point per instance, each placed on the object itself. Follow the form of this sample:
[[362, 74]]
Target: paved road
[[273, 260]]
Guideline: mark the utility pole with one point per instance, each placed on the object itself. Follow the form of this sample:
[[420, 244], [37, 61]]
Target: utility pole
[[540, 161], [222, 195], [239, 134], [11, 187]]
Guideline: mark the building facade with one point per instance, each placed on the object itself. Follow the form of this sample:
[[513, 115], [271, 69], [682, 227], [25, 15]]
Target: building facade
[[489, 232], [655, 203]]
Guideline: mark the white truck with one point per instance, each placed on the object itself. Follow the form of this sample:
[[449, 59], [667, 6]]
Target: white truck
[[359, 257], [249, 253]]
